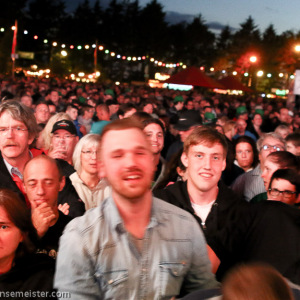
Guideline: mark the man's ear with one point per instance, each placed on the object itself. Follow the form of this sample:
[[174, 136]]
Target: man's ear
[[101, 169], [184, 159], [62, 183], [224, 164]]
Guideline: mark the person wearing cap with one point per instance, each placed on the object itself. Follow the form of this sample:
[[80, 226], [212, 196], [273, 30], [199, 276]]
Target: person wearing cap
[[209, 118], [63, 140], [178, 104], [187, 122], [242, 113]]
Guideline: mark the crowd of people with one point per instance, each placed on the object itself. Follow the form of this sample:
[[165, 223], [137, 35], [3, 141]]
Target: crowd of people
[[129, 192]]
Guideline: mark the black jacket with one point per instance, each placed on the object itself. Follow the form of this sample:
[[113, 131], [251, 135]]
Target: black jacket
[[32, 274], [241, 232], [222, 210]]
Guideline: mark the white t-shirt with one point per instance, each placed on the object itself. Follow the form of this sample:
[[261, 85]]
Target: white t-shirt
[[202, 211]]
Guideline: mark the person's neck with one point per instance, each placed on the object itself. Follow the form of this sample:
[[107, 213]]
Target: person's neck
[[200, 197], [91, 180], [228, 135], [135, 212], [156, 158], [6, 264], [19, 162]]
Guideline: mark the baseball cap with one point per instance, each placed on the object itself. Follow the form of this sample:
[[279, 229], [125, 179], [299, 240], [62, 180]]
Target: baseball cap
[[241, 110], [209, 118], [187, 119], [178, 99], [65, 125]]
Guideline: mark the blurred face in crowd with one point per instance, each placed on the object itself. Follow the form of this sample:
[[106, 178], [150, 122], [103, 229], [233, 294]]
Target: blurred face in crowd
[[270, 144], [257, 120], [89, 113], [189, 105], [73, 113], [102, 114], [284, 115], [283, 132], [269, 168], [282, 190], [26, 100], [179, 105], [42, 113], [184, 134], [113, 108], [244, 155], [54, 97], [241, 126], [155, 136], [129, 113], [148, 108], [128, 166], [290, 147]]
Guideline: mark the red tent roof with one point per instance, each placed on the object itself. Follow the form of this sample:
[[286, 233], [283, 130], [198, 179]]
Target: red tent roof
[[231, 83], [193, 76]]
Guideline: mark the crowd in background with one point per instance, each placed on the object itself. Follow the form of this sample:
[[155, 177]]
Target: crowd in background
[[262, 158]]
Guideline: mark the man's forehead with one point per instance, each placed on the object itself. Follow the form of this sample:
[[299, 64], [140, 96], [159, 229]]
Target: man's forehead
[[36, 167], [62, 131], [272, 141], [6, 115], [207, 147], [117, 139]]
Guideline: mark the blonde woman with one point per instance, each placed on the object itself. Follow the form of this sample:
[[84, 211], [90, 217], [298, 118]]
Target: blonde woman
[[90, 188]]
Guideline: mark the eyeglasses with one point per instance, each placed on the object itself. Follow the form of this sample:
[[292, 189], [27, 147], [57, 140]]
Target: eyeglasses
[[65, 137], [17, 130], [89, 153], [269, 147], [286, 194]]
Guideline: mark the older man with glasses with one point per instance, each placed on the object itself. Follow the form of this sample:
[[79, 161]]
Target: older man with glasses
[[250, 185], [18, 129]]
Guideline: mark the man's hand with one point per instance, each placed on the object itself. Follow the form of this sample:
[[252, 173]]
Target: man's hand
[[42, 216], [57, 153], [64, 208], [83, 130]]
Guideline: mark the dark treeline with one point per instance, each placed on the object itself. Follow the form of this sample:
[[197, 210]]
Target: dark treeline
[[127, 28]]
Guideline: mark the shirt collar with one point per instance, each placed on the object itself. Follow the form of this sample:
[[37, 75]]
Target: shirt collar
[[113, 216], [16, 170]]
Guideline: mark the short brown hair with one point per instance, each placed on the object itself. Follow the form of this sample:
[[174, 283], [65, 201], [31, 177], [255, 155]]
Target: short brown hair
[[255, 281], [207, 136], [229, 125], [284, 159]]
